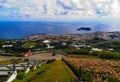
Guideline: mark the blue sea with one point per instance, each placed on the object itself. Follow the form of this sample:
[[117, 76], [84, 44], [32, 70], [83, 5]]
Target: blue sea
[[21, 29]]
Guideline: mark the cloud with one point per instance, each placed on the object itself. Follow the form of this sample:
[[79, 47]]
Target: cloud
[[59, 9]]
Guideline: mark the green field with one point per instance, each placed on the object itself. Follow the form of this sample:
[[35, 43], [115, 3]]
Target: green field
[[29, 44], [53, 72]]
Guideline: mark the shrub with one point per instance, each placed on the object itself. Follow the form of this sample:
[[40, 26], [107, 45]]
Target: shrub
[[40, 72], [51, 61], [26, 60], [110, 78], [20, 76], [72, 67], [87, 77]]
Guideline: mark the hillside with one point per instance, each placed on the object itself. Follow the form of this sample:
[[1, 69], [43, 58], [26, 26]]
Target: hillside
[[52, 72]]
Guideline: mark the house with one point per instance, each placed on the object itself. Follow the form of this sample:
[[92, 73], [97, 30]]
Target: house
[[48, 46], [46, 41], [96, 49], [111, 49], [27, 53]]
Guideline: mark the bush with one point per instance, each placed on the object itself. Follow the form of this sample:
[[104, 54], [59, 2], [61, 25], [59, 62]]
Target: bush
[[40, 72], [87, 77], [110, 78], [20, 76], [26, 60], [51, 61]]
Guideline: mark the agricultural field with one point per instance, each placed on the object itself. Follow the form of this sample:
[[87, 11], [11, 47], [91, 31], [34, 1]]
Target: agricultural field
[[29, 44], [97, 70]]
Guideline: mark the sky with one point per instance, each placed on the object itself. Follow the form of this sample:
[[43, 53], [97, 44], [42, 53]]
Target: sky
[[59, 9]]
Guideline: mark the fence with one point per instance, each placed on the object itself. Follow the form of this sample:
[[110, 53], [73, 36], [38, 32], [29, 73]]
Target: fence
[[9, 72]]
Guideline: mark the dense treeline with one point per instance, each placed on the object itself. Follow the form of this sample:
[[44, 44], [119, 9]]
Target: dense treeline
[[76, 51], [95, 40], [108, 55], [101, 54], [114, 45], [16, 51]]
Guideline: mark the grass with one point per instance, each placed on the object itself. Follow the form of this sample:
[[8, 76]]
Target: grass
[[29, 44], [57, 71]]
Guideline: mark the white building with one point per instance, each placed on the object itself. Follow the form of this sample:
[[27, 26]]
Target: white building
[[96, 49], [10, 45], [46, 41]]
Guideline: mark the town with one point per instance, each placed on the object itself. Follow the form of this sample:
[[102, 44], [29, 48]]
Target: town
[[94, 41]]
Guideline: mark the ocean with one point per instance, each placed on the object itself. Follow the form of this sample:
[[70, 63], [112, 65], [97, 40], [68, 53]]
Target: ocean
[[21, 29]]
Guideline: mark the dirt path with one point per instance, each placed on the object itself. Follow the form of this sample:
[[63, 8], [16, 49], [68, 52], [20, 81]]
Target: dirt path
[[42, 56]]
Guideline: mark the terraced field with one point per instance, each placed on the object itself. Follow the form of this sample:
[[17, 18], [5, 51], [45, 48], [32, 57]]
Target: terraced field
[[98, 69]]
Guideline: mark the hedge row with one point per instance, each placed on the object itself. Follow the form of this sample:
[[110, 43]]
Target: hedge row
[[84, 76], [72, 67], [100, 54]]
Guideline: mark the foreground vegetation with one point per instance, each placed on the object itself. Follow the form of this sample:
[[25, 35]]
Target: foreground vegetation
[[56, 71]]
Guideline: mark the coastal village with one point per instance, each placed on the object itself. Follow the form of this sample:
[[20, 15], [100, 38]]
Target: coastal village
[[67, 40], [89, 48]]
